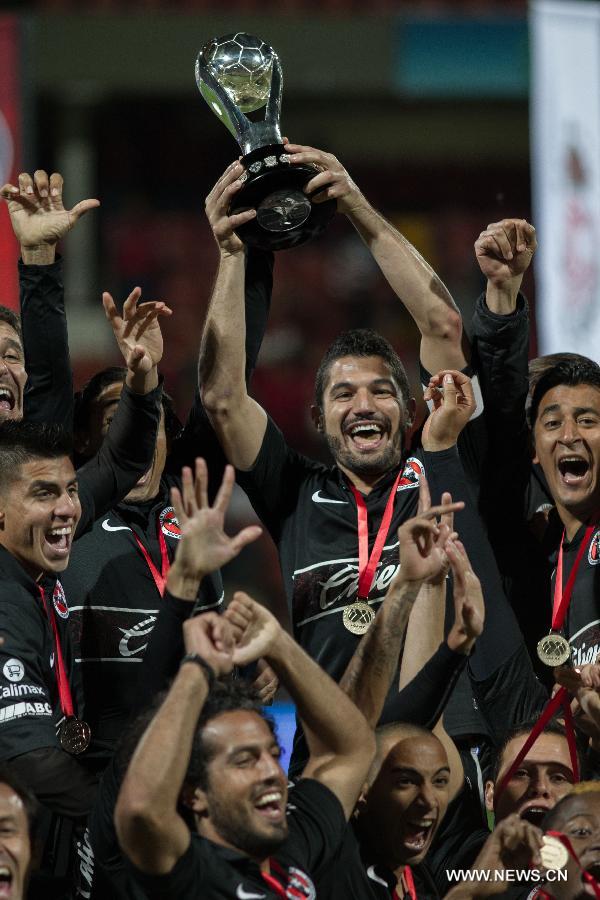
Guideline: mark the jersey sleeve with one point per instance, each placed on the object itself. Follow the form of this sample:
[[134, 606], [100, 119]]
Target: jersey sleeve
[[27, 719], [317, 826], [49, 389], [273, 483]]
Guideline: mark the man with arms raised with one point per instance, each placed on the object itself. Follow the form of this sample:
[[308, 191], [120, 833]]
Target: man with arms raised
[[212, 741]]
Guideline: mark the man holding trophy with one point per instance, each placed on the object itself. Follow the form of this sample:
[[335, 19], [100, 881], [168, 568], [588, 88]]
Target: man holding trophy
[[335, 528]]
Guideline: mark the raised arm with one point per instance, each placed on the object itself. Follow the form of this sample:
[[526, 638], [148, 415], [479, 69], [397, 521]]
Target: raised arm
[[340, 742], [411, 278], [39, 221], [238, 420]]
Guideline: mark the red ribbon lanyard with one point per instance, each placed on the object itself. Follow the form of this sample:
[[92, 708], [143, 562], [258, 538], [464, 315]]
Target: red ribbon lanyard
[[561, 698], [562, 598], [160, 578], [585, 875], [368, 564], [409, 881], [64, 690]]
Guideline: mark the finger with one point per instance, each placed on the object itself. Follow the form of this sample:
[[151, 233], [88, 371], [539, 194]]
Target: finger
[[40, 180], [56, 189], [177, 504], [424, 496], [130, 305], [239, 219], [224, 494], [487, 243], [187, 491], [246, 536], [447, 517], [111, 310], [444, 509], [201, 487], [81, 208], [320, 181], [7, 190], [26, 184], [13, 194], [502, 238]]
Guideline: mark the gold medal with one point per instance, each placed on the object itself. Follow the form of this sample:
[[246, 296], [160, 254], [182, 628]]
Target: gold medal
[[554, 649], [74, 735], [553, 853], [358, 616]]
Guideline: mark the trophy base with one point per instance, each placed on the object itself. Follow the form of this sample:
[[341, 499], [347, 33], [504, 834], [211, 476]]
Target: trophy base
[[285, 216]]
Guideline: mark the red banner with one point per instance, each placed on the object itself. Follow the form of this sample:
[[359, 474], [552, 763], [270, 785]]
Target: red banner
[[10, 151]]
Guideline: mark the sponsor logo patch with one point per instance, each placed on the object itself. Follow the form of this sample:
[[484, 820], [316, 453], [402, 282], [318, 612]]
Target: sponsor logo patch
[[594, 551], [13, 670], [169, 524], [140, 630], [20, 710], [411, 474], [60, 601], [18, 690]]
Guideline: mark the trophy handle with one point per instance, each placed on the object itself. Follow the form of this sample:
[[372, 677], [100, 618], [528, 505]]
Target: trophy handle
[[249, 135]]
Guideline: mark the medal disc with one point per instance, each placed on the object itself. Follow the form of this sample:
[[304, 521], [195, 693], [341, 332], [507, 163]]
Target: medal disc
[[553, 853], [554, 649], [74, 735], [358, 617]]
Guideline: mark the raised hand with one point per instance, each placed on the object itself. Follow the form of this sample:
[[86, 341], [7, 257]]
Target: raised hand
[[217, 205], [505, 249], [257, 630], [38, 216], [451, 393], [211, 637], [423, 540], [137, 330], [266, 682], [469, 606], [204, 545], [333, 181]]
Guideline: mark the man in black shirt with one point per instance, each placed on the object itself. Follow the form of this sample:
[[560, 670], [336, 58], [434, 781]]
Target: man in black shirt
[[233, 781], [17, 823]]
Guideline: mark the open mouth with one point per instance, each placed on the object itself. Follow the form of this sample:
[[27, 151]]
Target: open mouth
[[58, 541], [366, 435], [417, 835], [7, 399], [271, 806], [6, 881], [573, 469], [534, 814]]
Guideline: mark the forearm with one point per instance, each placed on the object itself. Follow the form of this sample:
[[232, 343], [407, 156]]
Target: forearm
[[49, 389], [411, 278], [332, 723], [425, 630], [257, 301], [222, 362], [157, 770], [369, 675], [142, 382]]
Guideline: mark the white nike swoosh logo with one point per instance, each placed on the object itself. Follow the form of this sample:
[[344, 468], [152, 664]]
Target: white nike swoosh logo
[[245, 895], [371, 874], [108, 527], [317, 499]]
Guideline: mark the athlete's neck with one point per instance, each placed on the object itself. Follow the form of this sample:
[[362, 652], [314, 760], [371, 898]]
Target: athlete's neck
[[362, 483], [573, 521]]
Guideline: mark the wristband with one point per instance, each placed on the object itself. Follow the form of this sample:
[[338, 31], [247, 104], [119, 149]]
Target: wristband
[[208, 670]]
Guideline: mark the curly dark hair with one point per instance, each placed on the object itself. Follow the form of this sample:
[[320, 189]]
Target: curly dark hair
[[569, 372]]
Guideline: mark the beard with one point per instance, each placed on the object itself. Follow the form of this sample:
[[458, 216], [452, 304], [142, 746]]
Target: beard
[[236, 827], [371, 466]]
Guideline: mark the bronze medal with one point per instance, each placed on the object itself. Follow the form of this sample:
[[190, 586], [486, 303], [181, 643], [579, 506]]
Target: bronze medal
[[554, 649], [74, 735], [358, 616], [553, 853]]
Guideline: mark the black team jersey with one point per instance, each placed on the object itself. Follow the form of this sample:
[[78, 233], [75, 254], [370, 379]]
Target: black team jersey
[[582, 625]]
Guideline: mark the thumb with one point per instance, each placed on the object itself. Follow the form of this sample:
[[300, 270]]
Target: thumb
[[450, 391], [245, 537], [81, 208], [109, 307], [135, 357]]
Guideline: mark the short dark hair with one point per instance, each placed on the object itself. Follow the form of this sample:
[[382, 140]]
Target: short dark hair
[[27, 797], [21, 442], [525, 728], [570, 372], [361, 342], [11, 318], [226, 695], [86, 397]]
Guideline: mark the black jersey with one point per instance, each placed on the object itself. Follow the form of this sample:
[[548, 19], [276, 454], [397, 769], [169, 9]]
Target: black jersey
[[208, 871], [582, 625]]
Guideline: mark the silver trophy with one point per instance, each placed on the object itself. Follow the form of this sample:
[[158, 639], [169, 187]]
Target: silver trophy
[[238, 74]]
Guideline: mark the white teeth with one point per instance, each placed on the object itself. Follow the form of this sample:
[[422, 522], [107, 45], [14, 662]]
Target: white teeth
[[56, 531], [4, 392], [4, 870], [372, 427], [274, 797]]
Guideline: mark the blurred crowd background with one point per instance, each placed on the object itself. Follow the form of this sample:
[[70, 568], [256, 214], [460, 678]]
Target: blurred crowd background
[[426, 104]]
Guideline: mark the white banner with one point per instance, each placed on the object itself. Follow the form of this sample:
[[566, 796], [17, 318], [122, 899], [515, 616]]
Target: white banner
[[565, 125]]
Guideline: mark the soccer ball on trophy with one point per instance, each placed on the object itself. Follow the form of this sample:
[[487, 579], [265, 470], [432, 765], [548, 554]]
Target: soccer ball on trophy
[[243, 65]]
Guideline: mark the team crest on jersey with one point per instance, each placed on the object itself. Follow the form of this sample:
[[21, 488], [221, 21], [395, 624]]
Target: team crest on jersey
[[411, 474], [594, 551], [169, 524], [60, 601], [299, 885]]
